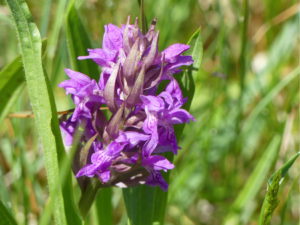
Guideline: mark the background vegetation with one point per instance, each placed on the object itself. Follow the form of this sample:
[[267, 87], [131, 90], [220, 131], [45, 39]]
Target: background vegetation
[[246, 105]]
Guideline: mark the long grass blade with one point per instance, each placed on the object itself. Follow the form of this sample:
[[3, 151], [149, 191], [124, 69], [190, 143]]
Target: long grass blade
[[41, 99]]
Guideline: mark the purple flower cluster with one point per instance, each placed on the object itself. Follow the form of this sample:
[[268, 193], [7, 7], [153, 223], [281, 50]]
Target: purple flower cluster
[[128, 138]]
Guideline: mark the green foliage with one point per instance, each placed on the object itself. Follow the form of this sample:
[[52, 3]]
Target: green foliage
[[103, 206], [11, 79], [186, 79], [78, 42], [5, 217], [240, 212]]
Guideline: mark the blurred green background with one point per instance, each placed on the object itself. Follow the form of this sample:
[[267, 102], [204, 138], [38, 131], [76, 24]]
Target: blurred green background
[[246, 106]]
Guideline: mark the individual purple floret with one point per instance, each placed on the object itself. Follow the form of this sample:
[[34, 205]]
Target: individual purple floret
[[85, 92], [126, 143], [163, 111]]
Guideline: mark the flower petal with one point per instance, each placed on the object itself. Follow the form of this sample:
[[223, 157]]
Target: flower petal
[[180, 116], [88, 170], [157, 162], [173, 51], [112, 38], [156, 179], [104, 176], [132, 138], [152, 103], [100, 56]]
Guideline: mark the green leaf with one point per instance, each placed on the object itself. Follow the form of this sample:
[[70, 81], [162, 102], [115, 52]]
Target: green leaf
[[5, 217], [196, 50], [147, 205], [103, 204], [271, 201], [42, 101], [140, 204], [11, 79], [240, 206], [186, 80], [78, 42]]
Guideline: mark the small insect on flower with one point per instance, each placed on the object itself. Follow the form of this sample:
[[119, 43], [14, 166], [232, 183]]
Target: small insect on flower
[[127, 145]]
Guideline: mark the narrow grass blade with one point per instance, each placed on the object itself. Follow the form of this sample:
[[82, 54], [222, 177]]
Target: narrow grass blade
[[143, 16], [147, 205], [78, 42], [54, 37], [45, 17], [243, 54], [56, 28], [5, 217], [254, 183], [271, 201], [41, 99], [269, 97]]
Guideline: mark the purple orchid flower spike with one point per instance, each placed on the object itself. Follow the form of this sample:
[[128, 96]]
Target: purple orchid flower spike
[[126, 146]]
